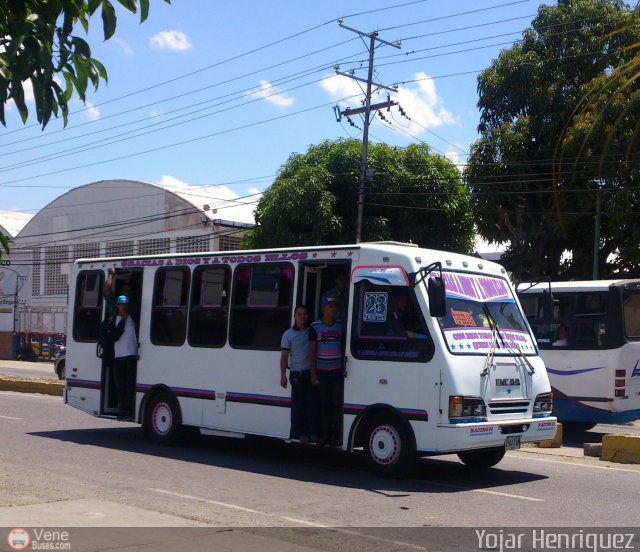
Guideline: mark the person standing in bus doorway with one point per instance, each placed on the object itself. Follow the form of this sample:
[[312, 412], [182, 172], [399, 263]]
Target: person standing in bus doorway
[[339, 294], [126, 352], [110, 293], [295, 357], [326, 359]]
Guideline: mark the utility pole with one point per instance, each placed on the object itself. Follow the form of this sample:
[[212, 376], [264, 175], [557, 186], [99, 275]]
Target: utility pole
[[366, 111], [596, 237]]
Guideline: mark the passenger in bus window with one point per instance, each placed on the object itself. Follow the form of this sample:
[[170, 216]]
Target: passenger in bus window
[[561, 339], [111, 294], [339, 293], [295, 358], [326, 361], [126, 351]]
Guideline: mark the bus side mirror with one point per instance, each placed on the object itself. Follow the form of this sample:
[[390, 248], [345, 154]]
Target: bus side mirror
[[547, 306], [436, 293]]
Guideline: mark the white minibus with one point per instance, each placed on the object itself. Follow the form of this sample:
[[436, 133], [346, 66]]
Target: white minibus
[[591, 348], [467, 380]]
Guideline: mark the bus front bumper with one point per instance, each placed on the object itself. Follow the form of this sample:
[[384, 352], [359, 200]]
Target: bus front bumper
[[496, 433]]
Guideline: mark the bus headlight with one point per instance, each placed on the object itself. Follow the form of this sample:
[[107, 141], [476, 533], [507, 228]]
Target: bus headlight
[[543, 402], [466, 407]]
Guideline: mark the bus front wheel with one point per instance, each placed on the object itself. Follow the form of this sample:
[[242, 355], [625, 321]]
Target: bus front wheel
[[481, 459], [163, 420], [388, 447]]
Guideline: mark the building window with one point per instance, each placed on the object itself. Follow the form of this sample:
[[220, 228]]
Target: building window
[[155, 246], [388, 325], [209, 307], [35, 281], [193, 244], [55, 283], [169, 314], [86, 251], [88, 306], [261, 309], [120, 248], [229, 243]]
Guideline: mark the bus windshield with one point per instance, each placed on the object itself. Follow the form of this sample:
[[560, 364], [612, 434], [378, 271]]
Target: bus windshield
[[481, 314], [631, 302]]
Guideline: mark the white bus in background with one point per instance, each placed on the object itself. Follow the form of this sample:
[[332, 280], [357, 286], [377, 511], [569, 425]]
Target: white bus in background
[[469, 379], [591, 348]]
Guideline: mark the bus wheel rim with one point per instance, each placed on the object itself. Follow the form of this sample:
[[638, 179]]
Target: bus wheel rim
[[384, 445], [162, 418]]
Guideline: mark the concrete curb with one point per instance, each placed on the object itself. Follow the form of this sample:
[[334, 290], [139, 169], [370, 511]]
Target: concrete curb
[[19, 385], [624, 449]]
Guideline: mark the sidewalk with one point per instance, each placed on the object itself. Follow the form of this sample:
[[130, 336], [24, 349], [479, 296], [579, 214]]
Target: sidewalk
[[29, 377]]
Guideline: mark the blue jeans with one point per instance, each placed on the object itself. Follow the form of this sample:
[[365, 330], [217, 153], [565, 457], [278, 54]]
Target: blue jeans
[[304, 405]]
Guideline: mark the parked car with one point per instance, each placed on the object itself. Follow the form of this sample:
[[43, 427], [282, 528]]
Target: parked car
[[59, 361]]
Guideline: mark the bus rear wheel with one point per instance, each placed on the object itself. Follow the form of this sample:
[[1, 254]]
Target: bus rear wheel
[[388, 447], [482, 459], [163, 420]]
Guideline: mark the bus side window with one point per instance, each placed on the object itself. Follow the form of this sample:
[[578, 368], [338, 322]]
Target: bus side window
[[261, 309], [209, 307], [169, 311], [88, 307], [388, 325]]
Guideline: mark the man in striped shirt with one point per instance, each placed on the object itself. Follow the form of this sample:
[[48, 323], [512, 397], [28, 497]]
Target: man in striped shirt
[[326, 360]]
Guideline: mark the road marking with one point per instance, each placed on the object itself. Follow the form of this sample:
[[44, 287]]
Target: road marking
[[293, 520], [10, 418], [608, 468], [208, 501], [485, 491]]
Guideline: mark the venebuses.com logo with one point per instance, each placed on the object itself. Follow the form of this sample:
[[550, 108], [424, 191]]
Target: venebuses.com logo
[[18, 539], [38, 539]]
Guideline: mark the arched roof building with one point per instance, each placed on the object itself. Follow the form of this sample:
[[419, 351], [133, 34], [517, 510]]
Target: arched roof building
[[111, 218]]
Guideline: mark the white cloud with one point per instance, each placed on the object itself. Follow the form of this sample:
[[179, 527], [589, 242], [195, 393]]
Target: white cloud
[[92, 113], [126, 47], [154, 114], [220, 198], [423, 105], [170, 40], [272, 94], [419, 100], [253, 191], [454, 157], [339, 87]]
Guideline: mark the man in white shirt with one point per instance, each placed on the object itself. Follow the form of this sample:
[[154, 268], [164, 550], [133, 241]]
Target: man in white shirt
[[126, 352]]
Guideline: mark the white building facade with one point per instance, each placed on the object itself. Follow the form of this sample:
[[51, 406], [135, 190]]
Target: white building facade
[[102, 219]]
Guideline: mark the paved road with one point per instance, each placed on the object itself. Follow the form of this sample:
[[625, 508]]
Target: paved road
[[52, 453], [25, 369]]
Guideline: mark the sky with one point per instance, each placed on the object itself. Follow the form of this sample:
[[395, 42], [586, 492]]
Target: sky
[[221, 93]]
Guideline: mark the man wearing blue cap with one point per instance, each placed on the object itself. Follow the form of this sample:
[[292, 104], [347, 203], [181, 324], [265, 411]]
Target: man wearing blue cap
[[126, 352]]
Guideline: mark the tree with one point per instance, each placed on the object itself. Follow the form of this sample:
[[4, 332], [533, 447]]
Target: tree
[[414, 196], [37, 44], [528, 188]]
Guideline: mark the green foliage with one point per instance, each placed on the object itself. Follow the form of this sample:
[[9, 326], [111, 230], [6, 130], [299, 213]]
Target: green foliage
[[38, 45], [533, 175], [414, 196]]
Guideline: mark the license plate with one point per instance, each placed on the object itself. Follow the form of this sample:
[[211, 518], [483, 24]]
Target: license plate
[[512, 442]]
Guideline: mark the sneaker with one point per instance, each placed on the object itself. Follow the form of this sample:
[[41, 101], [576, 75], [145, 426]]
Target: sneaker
[[313, 439], [304, 439]]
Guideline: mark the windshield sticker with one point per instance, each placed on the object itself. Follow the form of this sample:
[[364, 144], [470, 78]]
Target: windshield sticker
[[480, 340], [463, 318], [476, 288], [375, 307]]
